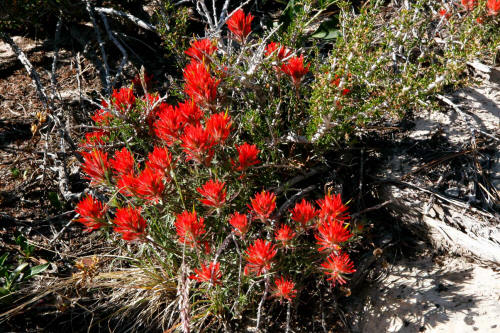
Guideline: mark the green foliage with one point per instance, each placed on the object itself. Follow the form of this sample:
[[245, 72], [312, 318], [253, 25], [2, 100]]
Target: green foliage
[[392, 62], [172, 24]]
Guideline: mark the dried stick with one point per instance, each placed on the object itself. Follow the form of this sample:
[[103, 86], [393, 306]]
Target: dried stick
[[118, 45], [90, 10], [259, 309], [130, 17], [53, 76]]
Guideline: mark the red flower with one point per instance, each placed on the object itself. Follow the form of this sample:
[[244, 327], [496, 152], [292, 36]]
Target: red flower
[[284, 289], [169, 125], [101, 116], [200, 49], [493, 7], [303, 212], [247, 156], [96, 165], [295, 68], [262, 205], [277, 50], [123, 162], [91, 213], [219, 127], [214, 193], [444, 13], [197, 144], [190, 228], [129, 223], [127, 185], [336, 265], [240, 224], [240, 25], [149, 185], [331, 207], [469, 4], [331, 233], [190, 112], [200, 85], [93, 139], [259, 256], [284, 235], [210, 274], [160, 159], [123, 99]]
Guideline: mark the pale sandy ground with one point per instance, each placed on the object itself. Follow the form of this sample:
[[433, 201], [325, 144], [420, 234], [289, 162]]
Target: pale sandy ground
[[443, 295], [447, 294]]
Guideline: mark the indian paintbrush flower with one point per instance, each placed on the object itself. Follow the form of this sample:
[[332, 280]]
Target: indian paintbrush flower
[[190, 229], [285, 289], [336, 266], [208, 273], [260, 256], [214, 193], [129, 222], [262, 205], [91, 213], [240, 25]]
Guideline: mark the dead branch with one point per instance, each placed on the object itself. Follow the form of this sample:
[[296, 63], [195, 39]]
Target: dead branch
[[118, 45], [90, 10], [130, 17]]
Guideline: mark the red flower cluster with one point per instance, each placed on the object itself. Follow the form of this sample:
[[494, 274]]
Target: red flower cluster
[[336, 266], [190, 228], [123, 99], [210, 274], [129, 222], [247, 156], [200, 85], [240, 25], [493, 7], [262, 205], [190, 112], [331, 233], [331, 207], [277, 50], [101, 116], [219, 127], [198, 144], [123, 162], [93, 139], [200, 49], [160, 159], [303, 213], [444, 13], [296, 69], [149, 185], [91, 213], [214, 193], [260, 256], [96, 165], [284, 234], [169, 125], [284, 289], [240, 224]]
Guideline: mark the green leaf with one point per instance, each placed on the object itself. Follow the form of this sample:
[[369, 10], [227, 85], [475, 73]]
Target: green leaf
[[37, 270], [328, 29], [3, 258]]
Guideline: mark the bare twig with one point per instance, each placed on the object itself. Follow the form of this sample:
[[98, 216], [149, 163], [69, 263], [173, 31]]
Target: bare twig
[[90, 10], [134, 19], [262, 300], [118, 45], [53, 76]]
